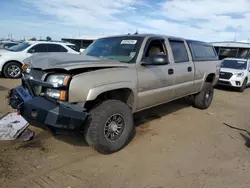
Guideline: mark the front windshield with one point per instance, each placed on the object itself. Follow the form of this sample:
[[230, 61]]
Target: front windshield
[[124, 49], [19, 47], [234, 64]]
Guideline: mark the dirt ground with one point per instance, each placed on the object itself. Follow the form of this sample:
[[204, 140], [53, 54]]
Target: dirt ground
[[175, 146]]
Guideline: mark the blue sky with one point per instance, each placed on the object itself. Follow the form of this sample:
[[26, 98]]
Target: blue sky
[[208, 20]]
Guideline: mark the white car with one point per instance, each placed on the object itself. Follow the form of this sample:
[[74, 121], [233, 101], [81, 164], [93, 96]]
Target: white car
[[11, 59], [235, 72]]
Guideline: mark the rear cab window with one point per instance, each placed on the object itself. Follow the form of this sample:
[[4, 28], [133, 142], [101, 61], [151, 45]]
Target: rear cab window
[[202, 51]]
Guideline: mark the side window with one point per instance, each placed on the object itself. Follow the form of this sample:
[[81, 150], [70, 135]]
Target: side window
[[155, 47], [210, 51], [56, 48], [39, 48], [179, 51], [203, 52], [199, 50]]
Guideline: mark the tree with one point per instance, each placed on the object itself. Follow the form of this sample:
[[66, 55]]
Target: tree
[[33, 39], [48, 38]]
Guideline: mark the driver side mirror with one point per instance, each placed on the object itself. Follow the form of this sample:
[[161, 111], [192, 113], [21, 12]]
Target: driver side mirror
[[157, 59]]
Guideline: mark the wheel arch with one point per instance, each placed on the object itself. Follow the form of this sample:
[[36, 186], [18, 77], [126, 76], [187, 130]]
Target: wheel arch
[[210, 78], [119, 91], [10, 62]]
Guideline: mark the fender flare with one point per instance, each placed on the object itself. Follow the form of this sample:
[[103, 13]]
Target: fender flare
[[96, 91]]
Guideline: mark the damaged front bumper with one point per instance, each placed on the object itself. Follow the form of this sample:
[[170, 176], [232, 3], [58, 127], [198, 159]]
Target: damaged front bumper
[[40, 110]]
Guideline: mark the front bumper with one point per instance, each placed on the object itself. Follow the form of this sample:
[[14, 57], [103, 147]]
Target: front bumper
[[233, 82], [41, 111]]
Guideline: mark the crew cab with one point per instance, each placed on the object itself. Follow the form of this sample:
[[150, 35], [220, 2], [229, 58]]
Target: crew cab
[[98, 91], [235, 72], [11, 59]]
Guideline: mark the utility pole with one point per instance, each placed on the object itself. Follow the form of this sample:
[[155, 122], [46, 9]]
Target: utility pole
[[235, 35]]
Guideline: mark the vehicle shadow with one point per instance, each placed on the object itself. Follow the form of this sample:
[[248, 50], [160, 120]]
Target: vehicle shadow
[[229, 89], [159, 111], [225, 88], [140, 118], [71, 137], [146, 116]]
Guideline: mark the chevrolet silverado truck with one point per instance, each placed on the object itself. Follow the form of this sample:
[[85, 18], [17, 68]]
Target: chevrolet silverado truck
[[98, 91]]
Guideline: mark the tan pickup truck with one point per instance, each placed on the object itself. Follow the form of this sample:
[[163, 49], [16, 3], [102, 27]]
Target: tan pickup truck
[[98, 91]]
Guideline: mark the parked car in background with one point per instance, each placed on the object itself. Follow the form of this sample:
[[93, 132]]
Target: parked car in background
[[235, 73], [8, 45], [11, 59], [98, 92]]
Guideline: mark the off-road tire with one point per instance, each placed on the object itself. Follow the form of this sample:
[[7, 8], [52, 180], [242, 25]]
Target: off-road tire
[[7, 65], [243, 87], [200, 99], [94, 129]]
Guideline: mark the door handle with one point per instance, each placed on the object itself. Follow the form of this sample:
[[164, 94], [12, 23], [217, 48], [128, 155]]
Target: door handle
[[170, 71], [189, 69]]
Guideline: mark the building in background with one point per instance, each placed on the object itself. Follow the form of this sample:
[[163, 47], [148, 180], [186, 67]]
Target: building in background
[[81, 42], [232, 49]]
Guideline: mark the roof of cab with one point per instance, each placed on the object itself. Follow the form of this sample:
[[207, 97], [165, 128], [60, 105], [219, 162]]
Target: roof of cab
[[159, 35]]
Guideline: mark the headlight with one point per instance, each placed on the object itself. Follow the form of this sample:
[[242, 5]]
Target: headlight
[[26, 65], [240, 74], [26, 68], [59, 79], [53, 93]]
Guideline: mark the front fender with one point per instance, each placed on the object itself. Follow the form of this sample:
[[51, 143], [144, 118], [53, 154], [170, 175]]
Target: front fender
[[96, 91]]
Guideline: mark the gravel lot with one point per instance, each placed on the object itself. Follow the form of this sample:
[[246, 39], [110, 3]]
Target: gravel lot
[[175, 146]]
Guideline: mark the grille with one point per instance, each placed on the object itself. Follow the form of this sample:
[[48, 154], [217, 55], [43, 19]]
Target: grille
[[226, 75], [37, 74], [224, 82]]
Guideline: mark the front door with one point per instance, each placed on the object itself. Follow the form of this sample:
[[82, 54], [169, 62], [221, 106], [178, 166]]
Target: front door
[[155, 81]]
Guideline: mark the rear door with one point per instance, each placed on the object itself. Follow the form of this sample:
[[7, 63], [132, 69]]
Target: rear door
[[183, 68]]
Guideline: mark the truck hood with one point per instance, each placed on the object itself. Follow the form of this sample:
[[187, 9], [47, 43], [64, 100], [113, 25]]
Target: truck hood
[[69, 61], [234, 71]]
